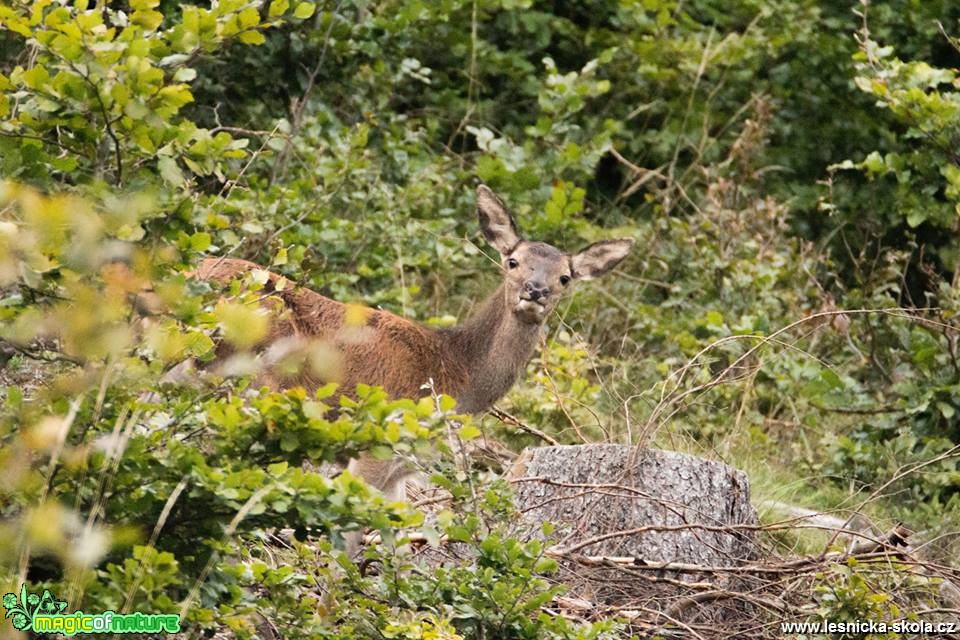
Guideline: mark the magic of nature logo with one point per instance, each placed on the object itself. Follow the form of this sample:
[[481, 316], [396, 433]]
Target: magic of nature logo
[[45, 614]]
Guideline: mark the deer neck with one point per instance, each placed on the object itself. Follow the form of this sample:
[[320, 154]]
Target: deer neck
[[493, 346]]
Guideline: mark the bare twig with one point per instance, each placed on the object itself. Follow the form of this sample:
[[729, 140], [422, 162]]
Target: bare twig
[[506, 418]]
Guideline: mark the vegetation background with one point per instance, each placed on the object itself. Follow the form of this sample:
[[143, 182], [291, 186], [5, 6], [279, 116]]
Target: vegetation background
[[789, 169]]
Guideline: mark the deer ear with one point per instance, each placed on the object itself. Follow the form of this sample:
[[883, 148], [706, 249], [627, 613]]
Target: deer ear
[[600, 257], [498, 226]]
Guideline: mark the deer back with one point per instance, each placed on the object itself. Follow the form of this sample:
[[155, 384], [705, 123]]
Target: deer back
[[367, 346]]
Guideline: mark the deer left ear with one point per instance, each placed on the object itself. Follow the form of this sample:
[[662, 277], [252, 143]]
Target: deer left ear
[[498, 226], [600, 257]]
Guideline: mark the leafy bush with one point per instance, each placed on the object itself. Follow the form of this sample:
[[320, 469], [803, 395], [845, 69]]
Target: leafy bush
[[791, 306]]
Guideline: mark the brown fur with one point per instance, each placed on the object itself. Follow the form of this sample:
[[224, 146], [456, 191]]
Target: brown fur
[[387, 351], [476, 362]]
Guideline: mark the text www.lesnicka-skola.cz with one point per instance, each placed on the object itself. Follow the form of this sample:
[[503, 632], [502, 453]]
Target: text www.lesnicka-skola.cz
[[870, 626]]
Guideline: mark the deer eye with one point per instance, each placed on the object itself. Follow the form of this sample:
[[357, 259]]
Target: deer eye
[[564, 280], [512, 263]]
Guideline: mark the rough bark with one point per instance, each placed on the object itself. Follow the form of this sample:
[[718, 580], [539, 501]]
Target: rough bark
[[649, 505], [598, 489]]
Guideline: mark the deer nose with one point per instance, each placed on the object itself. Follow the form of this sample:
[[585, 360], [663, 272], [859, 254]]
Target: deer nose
[[535, 290]]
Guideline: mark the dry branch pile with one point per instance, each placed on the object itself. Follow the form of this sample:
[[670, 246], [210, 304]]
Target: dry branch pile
[[671, 543]]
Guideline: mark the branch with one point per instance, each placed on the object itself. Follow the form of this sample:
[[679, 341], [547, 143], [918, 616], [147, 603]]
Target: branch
[[506, 418], [44, 355], [107, 123]]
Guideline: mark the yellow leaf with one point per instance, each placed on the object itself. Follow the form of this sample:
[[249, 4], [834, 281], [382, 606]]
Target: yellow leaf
[[469, 432], [252, 37], [176, 95], [447, 403], [249, 17], [278, 8], [36, 16], [149, 20], [19, 27], [36, 77], [356, 315], [304, 10], [242, 325]]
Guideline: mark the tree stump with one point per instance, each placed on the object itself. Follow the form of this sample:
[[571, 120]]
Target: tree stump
[[621, 513]]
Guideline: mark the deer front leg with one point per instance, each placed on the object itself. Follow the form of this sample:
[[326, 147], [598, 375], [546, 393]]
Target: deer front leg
[[387, 476]]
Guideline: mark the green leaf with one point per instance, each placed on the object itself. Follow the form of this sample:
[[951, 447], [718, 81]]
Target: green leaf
[[170, 172], [199, 344], [36, 77], [200, 241], [714, 318], [874, 163], [289, 441], [469, 432], [14, 397], [946, 409], [458, 534], [185, 74], [381, 452], [277, 468], [916, 217]]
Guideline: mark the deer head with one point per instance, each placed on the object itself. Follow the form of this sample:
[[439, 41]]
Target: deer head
[[536, 275]]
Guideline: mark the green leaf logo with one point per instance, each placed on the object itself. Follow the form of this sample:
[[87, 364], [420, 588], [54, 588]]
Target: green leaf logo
[[30, 604]]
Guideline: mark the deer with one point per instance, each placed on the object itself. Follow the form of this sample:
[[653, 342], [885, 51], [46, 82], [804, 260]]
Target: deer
[[475, 362]]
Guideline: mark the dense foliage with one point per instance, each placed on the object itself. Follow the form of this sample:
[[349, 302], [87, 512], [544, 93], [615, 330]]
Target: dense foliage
[[789, 170]]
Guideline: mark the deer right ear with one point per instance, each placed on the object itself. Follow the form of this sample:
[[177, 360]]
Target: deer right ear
[[498, 226], [600, 257]]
